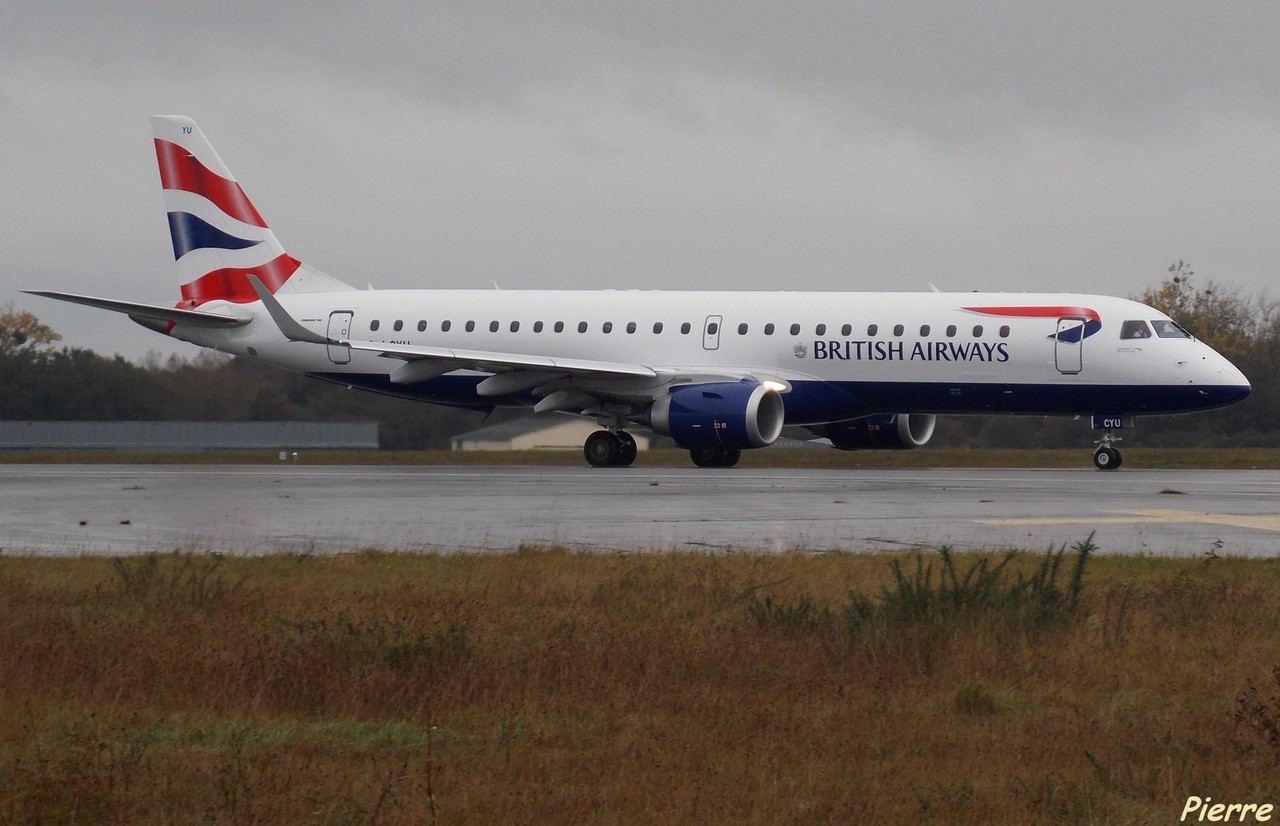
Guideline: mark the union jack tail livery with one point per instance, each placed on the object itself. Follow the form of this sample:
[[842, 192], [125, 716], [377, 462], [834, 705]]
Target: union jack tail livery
[[219, 237]]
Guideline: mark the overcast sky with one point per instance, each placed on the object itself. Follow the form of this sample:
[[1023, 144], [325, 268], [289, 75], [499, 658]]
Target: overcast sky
[[812, 146]]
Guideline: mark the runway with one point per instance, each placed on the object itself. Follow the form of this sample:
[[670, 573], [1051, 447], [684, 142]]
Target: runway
[[116, 509]]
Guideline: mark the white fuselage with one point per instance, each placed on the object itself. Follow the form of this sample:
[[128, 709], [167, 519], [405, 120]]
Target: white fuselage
[[840, 354]]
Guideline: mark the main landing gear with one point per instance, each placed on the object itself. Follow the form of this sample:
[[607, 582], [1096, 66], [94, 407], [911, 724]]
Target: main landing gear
[[605, 449], [1107, 457], [715, 456]]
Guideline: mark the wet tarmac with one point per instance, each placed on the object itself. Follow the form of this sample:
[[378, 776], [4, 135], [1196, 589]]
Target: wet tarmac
[[114, 509]]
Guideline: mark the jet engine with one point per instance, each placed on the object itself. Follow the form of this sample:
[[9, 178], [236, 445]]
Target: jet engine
[[883, 431], [720, 415]]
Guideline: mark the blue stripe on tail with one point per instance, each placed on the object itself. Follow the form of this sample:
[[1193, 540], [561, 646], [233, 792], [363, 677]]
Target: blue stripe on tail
[[192, 233]]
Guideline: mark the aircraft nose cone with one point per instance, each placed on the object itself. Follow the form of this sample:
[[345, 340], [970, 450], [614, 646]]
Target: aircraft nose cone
[[1235, 386], [1240, 392]]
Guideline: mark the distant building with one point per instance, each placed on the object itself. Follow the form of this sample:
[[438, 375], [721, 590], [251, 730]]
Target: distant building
[[181, 436], [533, 433]]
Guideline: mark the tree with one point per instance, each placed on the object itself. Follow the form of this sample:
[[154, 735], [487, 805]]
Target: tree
[[22, 332], [1217, 315]]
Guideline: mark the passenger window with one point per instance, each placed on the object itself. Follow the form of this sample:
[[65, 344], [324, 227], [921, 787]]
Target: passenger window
[[872, 329], [537, 326], [795, 329], [685, 328], [846, 330], [559, 328], [493, 326], [1004, 331], [631, 326], [924, 330], [977, 331], [471, 326], [742, 329], [898, 329], [582, 326], [422, 326], [607, 327], [1169, 329], [515, 326], [820, 330], [445, 325], [374, 325], [951, 331], [398, 326], [657, 327], [768, 329], [713, 328]]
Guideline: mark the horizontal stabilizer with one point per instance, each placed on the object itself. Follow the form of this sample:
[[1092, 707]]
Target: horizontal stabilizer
[[150, 312]]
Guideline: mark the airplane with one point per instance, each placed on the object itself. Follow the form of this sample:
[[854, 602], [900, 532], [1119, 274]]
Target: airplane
[[718, 371]]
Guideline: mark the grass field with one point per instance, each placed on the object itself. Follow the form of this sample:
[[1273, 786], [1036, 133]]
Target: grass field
[[547, 686], [1134, 458]]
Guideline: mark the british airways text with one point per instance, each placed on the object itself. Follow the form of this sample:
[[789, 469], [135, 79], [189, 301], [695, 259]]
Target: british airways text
[[920, 351]]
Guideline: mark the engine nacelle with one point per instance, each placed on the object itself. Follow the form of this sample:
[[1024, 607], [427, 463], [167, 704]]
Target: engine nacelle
[[730, 415], [884, 431]]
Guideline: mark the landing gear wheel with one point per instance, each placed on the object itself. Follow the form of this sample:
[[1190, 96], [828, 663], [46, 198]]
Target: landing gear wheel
[[627, 449], [715, 456], [1107, 458], [602, 449], [705, 456]]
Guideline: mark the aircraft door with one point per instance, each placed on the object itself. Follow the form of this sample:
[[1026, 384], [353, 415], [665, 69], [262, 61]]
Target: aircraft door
[[1068, 344], [340, 329], [711, 332]]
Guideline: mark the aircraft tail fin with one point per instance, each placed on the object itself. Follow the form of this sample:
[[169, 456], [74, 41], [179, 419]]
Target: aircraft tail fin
[[219, 237]]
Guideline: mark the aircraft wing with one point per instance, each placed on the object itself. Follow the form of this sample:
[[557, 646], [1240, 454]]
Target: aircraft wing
[[489, 360], [445, 359], [151, 312], [515, 371]]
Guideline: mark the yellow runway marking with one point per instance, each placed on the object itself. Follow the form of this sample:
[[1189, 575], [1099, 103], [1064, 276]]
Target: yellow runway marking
[[1257, 523]]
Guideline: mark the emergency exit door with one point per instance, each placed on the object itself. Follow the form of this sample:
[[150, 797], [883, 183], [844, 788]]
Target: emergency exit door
[[711, 332]]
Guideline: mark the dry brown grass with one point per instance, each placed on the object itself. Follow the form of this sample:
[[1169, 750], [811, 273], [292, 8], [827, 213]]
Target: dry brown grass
[[551, 686]]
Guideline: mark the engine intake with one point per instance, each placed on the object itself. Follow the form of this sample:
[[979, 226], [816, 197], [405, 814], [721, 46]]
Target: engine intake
[[735, 416], [883, 431]]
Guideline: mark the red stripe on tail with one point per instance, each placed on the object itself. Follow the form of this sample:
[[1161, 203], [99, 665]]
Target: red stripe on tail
[[180, 170], [232, 285]]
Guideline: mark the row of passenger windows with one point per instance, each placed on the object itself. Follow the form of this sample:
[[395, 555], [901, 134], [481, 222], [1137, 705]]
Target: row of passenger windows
[[712, 329]]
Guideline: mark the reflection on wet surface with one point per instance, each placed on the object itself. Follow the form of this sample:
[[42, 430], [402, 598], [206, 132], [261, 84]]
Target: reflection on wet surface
[[107, 509]]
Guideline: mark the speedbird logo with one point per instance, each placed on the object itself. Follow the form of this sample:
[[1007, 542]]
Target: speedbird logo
[[1091, 322]]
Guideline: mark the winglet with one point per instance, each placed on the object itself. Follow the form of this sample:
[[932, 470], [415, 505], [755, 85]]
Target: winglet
[[292, 329]]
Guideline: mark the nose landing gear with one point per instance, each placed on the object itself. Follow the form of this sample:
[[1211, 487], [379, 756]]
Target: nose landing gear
[[1107, 457]]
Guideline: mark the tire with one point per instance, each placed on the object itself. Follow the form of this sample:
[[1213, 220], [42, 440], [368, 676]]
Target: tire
[[705, 456], [1106, 458], [627, 449], [730, 458], [601, 449]]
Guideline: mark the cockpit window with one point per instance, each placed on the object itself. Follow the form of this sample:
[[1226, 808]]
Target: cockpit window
[[1169, 329], [1135, 329]]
